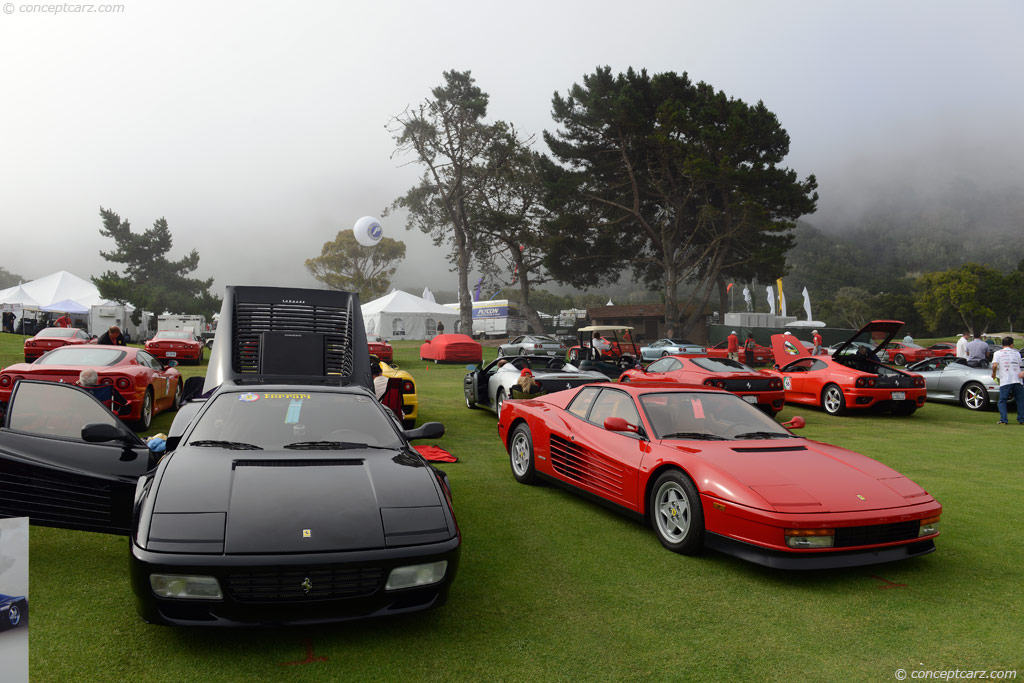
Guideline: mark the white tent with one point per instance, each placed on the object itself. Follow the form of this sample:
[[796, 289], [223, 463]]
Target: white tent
[[55, 288], [400, 315], [17, 296]]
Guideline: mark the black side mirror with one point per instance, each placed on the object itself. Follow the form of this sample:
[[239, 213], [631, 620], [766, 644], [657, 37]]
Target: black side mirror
[[100, 432], [429, 430], [193, 387]]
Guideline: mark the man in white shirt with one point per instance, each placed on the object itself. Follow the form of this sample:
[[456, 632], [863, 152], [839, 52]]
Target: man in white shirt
[[600, 345], [961, 346], [1006, 368]]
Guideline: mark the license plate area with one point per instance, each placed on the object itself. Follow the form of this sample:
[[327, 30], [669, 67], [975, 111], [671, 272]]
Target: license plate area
[[899, 396], [750, 399], [171, 354]]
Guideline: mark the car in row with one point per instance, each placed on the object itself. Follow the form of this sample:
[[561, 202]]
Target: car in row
[[51, 338], [489, 386], [178, 345], [532, 345]]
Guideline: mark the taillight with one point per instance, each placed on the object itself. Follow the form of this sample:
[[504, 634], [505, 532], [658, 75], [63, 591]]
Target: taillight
[[537, 346], [865, 382], [6, 381], [709, 382], [408, 387], [29, 342], [107, 381], [919, 381], [720, 384], [123, 383], [775, 384]]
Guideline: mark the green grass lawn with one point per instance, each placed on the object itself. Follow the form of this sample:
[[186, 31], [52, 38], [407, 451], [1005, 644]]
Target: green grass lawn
[[554, 587]]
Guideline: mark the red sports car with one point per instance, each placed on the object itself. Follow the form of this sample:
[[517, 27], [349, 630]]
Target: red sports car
[[379, 347], [848, 381], [175, 345], [147, 385], [902, 353], [762, 354], [52, 338], [703, 468], [453, 348], [756, 388]]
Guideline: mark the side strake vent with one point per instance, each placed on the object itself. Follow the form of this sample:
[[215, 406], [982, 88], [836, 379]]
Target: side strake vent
[[252, 320]]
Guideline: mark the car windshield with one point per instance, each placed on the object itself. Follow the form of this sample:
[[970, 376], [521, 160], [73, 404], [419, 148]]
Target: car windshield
[[57, 332], [692, 415], [172, 335], [721, 365], [84, 355], [294, 419]]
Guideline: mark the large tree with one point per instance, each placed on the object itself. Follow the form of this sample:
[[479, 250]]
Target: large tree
[[345, 264], [9, 279], [150, 282], [447, 135], [684, 180], [973, 294]]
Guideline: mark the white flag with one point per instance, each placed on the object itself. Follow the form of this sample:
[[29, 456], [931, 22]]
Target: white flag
[[771, 299], [807, 305], [746, 297]]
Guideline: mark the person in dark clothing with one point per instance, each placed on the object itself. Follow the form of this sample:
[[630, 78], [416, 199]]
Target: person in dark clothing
[[749, 345], [113, 337]]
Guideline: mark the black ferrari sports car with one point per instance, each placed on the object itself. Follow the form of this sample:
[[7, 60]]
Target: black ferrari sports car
[[288, 494], [13, 611]]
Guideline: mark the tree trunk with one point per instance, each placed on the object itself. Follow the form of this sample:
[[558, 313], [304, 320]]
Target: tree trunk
[[671, 300], [465, 300], [698, 311], [723, 297], [524, 293]]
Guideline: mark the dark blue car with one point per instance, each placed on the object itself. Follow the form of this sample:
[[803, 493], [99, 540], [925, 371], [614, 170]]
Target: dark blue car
[[13, 611]]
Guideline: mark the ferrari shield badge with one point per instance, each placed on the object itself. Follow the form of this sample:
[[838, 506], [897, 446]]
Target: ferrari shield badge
[[306, 533]]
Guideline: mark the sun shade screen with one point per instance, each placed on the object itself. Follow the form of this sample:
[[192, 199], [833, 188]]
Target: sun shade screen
[[292, 353]]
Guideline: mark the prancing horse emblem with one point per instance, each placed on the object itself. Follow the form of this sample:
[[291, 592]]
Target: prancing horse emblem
[[307, 585]]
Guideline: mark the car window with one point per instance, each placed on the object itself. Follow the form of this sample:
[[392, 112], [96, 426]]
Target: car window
[[55, 410], [664, 365], [147, 361], [82, 355], [721, 365], [581, 404], [172, 335], [802, 365], [276, 419], [722, 414], [613, 403]]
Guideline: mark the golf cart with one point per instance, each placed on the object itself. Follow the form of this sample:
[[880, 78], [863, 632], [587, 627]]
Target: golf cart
[[622, 353]]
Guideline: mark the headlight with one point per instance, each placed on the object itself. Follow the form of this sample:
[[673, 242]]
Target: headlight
[[185, 587], [929, 526], [810, 538], [416, 575]]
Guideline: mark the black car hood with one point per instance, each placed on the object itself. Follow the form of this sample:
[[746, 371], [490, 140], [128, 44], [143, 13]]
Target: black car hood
[[260, 502], [871, 331]]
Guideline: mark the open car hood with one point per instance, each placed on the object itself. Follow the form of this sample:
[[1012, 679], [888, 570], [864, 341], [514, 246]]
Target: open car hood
[[871, 333]]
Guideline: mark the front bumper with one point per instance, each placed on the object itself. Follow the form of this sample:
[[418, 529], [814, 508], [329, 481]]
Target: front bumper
[[239, 609], [778, 559]]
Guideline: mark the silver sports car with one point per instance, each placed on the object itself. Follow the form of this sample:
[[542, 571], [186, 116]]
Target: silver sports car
[[488, 386], [532, 345], [669, 347], [952, 380]]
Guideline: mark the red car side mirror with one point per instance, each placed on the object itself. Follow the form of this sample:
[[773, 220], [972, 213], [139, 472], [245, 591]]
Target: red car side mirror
[[618, 424], [796, 423]]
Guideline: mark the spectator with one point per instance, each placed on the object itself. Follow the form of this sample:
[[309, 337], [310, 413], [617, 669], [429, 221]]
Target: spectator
[[749, 346], [9, 321], [961, 346], [106, 394], [734, 346], [600, 345], [977, 352], [113, 337], [908, 339], [1006, 368], [63, 321], [526, 384], [380, 382], [440, 327], [816, 340]]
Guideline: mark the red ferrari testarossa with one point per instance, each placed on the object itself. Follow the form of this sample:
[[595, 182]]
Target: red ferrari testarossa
[[704, 468]]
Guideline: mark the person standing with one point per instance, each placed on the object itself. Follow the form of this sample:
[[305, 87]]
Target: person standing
[[749, 346], [961, 346], [734, 346], [908, 339], [112, 336], [63, 321], [1006, 368], [816, 340], [977, 352]]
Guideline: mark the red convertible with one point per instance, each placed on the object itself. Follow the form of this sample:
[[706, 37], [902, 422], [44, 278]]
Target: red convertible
[[52, 338], [175, 345], [703, 468], [762, 354], [852, 378], [147, 385], [378, 346], [756, 388]]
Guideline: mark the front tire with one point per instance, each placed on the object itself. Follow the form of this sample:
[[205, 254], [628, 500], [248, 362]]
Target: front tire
[[974, 396], [499, 401], [665, 353], [469, 402], [676, 513], [520, 455], [177, 396], [832, 400], [522, 352]]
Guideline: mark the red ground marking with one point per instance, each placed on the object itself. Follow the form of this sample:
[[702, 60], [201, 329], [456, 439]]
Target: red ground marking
[[309, 657], [888, 583]]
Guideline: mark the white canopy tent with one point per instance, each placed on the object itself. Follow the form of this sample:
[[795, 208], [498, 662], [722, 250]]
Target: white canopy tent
[[400, 315], [65, 292]]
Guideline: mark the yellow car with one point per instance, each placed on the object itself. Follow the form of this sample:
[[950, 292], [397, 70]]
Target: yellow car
[[410, 402]]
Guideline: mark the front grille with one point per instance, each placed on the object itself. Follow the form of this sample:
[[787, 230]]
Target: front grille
[[324, 583], [253, 319], [747, 384], [878, 533]]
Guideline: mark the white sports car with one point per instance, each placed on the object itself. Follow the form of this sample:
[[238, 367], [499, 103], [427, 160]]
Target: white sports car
[[488, 386]]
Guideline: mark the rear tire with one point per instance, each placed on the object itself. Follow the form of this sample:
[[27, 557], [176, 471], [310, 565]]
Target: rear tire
[[499, 401], [146, 416], [832, 400], [974, 396], [676, 513], [177, 396], [900, 359]]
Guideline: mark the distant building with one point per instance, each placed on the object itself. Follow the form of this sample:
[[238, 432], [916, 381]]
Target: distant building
[[647, 321]]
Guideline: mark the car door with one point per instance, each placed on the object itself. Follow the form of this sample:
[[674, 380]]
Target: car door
[[606, 463], [49, 474], [470, 385], [657, 371], [952, 378], [161, 380]]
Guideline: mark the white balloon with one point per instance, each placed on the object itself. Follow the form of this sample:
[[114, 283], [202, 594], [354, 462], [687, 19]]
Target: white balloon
[[368, 231]]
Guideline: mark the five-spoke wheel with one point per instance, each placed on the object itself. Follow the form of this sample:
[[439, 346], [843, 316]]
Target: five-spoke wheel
[[832, 400], [520, 455], [974, 396], [676, 513]]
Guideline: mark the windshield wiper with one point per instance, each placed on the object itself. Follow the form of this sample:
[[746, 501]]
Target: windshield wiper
[[765, 435], [705, 436], [231, 445], [330, 446]]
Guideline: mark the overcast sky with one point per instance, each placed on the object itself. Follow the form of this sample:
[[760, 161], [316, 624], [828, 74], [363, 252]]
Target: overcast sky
[[258, 129]]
